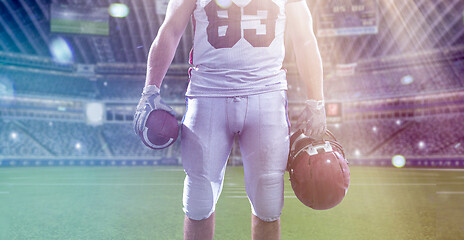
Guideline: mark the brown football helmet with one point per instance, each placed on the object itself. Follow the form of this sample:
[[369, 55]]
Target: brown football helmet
[[319, 172]]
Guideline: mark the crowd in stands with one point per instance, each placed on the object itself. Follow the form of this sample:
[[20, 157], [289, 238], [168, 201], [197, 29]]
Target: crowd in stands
[[40, 83], [64, 138], [41, 138], [15, 142], [122, 141], [429, 136], [397, 82], [385, 83], [173, 88], [33, 61], [440, 135], [116, 89]]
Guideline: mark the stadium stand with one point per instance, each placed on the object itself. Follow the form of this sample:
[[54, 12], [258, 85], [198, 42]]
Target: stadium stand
[[440, 135], [40, 138], [368, 138], [173, 88], [15, 141], [122, 141], [392, 101], [34, 82], [396, 82], [34, 62]]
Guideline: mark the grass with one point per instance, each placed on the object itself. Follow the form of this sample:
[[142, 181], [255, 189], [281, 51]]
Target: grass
[[146, 203]]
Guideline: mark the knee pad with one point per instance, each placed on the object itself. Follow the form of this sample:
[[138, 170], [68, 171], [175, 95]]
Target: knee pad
[[200, 197], [267, 197]]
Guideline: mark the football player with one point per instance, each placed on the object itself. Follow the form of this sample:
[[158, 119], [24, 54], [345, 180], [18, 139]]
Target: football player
[[238, 88]]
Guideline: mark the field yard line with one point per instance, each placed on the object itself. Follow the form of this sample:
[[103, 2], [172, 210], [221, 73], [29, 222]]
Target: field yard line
[[243, 196], [168, 170], [244, 192], [449, 192], [224, 191], [93, 178], [366, 179], [405, 173], [393, 184], [92, 184], [289, 196], [233, 185], [439, 169], [4, 192], [451, 183], [237, 196]]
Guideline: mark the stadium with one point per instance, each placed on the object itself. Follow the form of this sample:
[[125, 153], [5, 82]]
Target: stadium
[[71, 167]]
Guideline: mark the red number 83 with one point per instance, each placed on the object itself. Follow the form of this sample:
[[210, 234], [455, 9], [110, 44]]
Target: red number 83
[[233, 23]]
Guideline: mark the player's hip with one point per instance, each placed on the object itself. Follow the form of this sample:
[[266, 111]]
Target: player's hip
[[237, 112]]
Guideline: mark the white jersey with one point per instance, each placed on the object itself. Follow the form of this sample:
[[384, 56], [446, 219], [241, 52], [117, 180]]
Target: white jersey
[[238, 48]]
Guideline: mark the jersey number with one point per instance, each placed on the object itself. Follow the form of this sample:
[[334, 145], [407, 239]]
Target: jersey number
[[230, 21]]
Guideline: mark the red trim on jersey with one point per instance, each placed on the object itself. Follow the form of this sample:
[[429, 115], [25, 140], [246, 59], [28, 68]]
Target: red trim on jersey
[[190, 72]]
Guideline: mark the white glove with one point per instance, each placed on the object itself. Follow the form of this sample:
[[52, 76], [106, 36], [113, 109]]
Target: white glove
[[313, 120], [150, 101]]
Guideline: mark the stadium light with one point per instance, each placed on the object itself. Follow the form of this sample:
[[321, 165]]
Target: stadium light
[[118, 10], [14, 135], [94, 112], [406, 80], [60, 50], [78, 146], [398, 122], [374, 129], [398, 161], [421, 144], [357, 153]]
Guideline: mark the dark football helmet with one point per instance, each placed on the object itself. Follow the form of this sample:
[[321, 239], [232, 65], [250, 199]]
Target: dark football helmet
[[318, 170]]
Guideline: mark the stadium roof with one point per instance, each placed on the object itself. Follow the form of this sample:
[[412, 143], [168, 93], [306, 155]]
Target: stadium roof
[[404, 26]]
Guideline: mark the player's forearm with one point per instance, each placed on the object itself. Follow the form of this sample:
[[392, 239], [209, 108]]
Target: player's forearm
[[160, 57], [309, 64]]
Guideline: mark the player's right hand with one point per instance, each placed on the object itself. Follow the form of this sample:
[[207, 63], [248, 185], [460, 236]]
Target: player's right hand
[[312, 120], [150, 101]]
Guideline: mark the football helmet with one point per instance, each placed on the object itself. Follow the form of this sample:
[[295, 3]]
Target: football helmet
[[319, 172]]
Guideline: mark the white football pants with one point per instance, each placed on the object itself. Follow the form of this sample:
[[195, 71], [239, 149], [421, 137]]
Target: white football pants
[[208, 131]]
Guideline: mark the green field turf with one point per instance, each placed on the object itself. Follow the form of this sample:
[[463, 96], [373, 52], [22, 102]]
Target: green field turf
[[146, 203]]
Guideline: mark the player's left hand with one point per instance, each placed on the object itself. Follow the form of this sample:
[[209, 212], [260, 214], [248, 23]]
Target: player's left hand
[[313, 120]]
